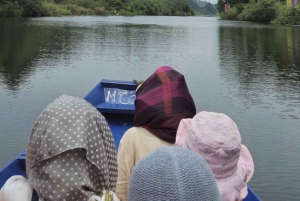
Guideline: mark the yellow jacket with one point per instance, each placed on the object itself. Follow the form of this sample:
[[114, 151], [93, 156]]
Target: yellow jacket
[[136, 143]]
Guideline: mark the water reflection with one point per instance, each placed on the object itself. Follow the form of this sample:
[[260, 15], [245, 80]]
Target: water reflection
[[263, 64], [28, 44], [135, 40], [22, 45], [18, 48]]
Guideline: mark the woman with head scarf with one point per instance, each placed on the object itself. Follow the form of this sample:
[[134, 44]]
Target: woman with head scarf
[[71, 153], [217, 139], [175, 174], [161, 102]]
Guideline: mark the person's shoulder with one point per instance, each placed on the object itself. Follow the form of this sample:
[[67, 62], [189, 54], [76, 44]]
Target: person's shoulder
[[130, 137], [134, 132], [16, 188]]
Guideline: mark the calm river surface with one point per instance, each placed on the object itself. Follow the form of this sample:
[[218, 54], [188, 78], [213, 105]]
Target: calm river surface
[[249, 71]]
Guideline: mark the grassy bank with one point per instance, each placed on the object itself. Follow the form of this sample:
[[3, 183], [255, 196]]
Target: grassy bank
[[51, 9], [94, 7], [264, 11]]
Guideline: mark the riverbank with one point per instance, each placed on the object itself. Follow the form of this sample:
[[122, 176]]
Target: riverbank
[[35, 8], [264, 12]]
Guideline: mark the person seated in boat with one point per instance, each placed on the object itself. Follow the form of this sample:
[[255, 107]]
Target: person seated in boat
[[216, 137], [161, 102], [172, 173], [71, 153]]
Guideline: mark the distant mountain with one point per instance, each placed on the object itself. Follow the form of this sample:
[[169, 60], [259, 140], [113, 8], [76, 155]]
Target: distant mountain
[[202, 3], [203, 7], [209, 9]]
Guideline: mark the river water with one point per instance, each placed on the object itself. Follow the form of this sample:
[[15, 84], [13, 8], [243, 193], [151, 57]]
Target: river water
[[249, 71]]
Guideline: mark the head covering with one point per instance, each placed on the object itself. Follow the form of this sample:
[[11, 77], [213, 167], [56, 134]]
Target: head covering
[[16, 188], [161, 102], [172, 173], [71, 152], [216, 138]]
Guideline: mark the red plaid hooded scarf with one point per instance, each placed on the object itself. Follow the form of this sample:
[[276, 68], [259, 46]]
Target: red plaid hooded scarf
[[161, 102]]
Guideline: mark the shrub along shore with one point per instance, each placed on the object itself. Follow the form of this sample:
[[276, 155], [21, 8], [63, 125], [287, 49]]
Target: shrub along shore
[[35, 8], [264, 11]]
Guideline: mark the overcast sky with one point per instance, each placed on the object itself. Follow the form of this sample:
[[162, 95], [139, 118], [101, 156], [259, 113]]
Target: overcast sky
[[211, 1]]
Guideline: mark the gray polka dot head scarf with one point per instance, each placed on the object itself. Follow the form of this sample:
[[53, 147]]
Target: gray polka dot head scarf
[[71, 153]]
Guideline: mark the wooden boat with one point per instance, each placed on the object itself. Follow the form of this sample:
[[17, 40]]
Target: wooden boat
[[115, 100]]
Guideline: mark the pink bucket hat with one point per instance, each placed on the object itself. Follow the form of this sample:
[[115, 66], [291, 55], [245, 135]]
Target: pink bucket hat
[[217, 139]]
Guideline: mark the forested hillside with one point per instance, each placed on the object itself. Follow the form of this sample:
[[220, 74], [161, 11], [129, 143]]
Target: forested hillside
[[263, 11], [94, 7]]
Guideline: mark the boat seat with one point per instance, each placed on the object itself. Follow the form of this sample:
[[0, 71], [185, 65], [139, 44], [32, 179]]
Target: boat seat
[[115, 108]]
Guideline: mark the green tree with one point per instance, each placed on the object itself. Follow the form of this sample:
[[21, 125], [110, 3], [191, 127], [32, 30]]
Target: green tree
[[220, 4]]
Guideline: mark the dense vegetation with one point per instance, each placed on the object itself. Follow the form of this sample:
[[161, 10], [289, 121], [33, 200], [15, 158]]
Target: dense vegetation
[[94, 7], [264, 11]]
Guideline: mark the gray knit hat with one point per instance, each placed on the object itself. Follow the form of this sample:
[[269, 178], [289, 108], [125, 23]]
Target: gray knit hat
[[173, 173]]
